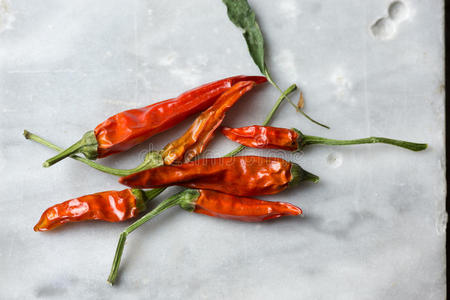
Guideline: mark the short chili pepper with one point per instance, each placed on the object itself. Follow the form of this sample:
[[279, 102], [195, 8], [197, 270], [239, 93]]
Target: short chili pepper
[[293, 140], [111, 206], [239, 175], [197, 137], [129, 128], [213, 204]]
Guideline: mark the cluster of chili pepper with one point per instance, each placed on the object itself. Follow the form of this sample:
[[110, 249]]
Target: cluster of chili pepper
[[218, 187]]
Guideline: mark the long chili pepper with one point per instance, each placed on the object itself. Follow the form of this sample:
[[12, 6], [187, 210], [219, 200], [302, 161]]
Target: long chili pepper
[[152, 159], [293, 140], [241, 175], [129, 128], [213, 204], [111, 206], [197, 137]]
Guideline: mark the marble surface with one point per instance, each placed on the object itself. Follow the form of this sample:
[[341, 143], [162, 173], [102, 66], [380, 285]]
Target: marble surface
[[373, 228]]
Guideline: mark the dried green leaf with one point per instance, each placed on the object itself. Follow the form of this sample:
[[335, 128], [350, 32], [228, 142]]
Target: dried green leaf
[[240, 13]]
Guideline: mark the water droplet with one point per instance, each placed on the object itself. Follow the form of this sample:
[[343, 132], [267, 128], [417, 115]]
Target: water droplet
[[334, 159], [398, 11]]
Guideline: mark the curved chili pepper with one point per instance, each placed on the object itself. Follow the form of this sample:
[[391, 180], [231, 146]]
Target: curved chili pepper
[[197, 137], [129, 128], [213, 204], [111, 206], [293, 140], [239, 175]]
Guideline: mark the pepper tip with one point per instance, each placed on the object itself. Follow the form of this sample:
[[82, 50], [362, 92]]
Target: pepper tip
[[38, 227]]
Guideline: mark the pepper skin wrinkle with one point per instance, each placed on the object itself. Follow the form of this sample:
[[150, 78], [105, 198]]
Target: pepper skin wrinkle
[[239, 175], [197, 137], [111, 206], [232, 207], [129, 128], [263, 137]]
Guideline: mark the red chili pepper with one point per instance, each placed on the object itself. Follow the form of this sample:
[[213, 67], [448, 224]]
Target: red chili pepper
[[209, 203], [197, 137], [129, 128], [227, 206], [263, 137], [239, 175], [111, 206], [293, 140]]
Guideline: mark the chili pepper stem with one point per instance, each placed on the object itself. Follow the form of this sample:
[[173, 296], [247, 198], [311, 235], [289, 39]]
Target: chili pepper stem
[[280, 99], [298, 109], [184, 199], [299, 175], [235, 151], [87, 145], [151, 194], [151, 160], [310, 177], [309, 140], [117, 258]]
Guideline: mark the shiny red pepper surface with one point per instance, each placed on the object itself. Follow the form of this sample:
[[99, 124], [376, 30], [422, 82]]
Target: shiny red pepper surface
[[245, 209], [197, 137], [129, 128], [111, 206], [239, 175], [263, 137]]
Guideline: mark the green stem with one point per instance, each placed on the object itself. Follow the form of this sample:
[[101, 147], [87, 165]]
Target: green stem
[[118, 172], [269, 78], [87, 145], [309, 140], [117, 258], [184, 198], [151, 194], [280, 99], [235, 151], [75, 148]]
